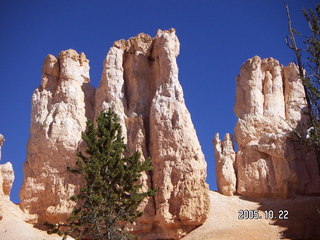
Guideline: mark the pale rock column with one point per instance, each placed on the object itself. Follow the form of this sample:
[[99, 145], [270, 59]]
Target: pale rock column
[[61, 106], [1, 143], [124, 87], [140, 82], [225, 161], [296, 104], [6, 176], [179, 165], [271, 107], [6, 180]]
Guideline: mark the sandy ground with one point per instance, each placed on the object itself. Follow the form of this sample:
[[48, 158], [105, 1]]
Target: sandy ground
[[303, 219], [13, 226]]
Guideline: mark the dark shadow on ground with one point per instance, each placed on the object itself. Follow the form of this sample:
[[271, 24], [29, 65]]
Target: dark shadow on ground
[[303, 216]]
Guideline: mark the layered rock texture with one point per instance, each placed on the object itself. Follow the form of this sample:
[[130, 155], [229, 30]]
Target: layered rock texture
[[61, 106], [6, 176], [140, 82], [272, 111]]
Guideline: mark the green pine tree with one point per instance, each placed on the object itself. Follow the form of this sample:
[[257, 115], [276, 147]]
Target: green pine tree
[[111, 195], [308, 61]]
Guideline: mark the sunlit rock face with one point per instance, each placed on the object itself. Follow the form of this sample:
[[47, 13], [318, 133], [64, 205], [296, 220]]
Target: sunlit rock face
[[6, 176], [271, 110], [225, 165], [140, 82], [2, 139], [61, 105]]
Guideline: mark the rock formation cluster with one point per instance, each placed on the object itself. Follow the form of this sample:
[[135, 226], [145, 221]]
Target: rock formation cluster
[[140, 82], [272, 112]]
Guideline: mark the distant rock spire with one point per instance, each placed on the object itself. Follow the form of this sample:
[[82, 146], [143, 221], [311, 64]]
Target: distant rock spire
[[6, 175], [2, 139]]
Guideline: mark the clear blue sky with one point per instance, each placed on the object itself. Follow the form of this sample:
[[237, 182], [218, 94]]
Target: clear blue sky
[[216, 38]]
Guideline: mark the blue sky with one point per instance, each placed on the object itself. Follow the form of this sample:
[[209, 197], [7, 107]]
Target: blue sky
[[216, 38]]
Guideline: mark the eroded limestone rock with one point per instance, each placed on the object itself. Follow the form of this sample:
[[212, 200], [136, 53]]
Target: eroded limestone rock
[[6, 179], [140, 82], [271, 107], [1, 143], [6, 176], [61, 106], [225, 168]]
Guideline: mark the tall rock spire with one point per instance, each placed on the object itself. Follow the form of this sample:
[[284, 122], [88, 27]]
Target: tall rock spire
[[1, 143], [225, 165], [61, 106], [140, 82]]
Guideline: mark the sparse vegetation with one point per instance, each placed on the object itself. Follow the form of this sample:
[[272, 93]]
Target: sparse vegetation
[[112, 193], [308, 61]]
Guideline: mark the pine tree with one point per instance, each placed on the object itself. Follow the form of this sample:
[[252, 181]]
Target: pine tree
[[111, 195], [308, 61]]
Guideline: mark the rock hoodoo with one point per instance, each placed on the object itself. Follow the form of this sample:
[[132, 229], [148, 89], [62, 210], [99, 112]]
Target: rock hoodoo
[[6, 176], [271, 107], [140, 82], [225, 164], [61, 106], [1, 143]]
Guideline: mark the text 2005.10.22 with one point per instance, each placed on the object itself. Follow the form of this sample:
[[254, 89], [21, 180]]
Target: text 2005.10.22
[[267, 214]]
